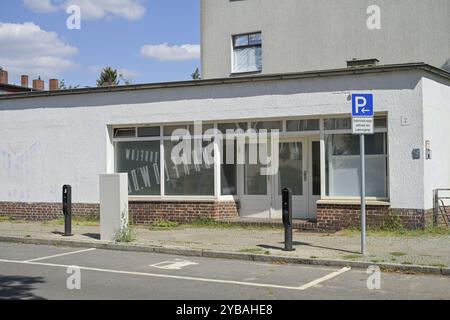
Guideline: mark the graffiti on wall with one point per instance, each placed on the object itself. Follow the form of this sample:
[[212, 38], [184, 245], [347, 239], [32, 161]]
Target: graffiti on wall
[[16, 169]]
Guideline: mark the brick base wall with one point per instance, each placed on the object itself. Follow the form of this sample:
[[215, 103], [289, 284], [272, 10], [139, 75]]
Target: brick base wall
[[44, 211], [183, 212], [336, 217], [140, 212], [330, 217]]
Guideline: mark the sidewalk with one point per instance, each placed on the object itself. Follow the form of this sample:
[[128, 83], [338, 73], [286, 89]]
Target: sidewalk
[[420, 250]]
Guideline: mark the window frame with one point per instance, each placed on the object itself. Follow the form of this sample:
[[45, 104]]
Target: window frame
[[247, 46], [217, 160]]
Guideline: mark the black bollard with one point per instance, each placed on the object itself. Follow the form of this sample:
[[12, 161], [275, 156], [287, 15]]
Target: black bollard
[[67, 210], [287, 218]]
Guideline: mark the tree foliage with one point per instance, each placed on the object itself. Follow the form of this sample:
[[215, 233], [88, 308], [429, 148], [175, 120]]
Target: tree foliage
[[108, 77], [196, 75]]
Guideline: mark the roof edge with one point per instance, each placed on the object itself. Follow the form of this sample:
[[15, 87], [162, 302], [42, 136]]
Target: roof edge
[[15, 86], [270, 77]]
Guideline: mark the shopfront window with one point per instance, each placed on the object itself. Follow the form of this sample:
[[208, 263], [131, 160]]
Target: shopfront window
[[149, 176], [189, 178], [228, 172], [141, 160], [343, 165], [302, 125]]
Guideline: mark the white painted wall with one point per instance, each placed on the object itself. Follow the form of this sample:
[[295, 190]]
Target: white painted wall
[[305, 35], [47, 142], [436, 119]]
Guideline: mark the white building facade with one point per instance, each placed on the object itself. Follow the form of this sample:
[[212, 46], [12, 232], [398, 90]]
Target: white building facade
[[71, 137], [298, 36]]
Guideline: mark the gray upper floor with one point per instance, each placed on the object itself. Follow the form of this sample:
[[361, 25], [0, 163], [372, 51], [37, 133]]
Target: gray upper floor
[[304, 35]]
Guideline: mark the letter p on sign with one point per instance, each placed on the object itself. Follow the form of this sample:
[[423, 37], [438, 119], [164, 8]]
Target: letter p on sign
[[362, 105]]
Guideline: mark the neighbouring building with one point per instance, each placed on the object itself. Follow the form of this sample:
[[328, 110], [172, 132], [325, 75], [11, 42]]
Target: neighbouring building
[[71, 137], [282, 36], [38, 84], [6, 87]]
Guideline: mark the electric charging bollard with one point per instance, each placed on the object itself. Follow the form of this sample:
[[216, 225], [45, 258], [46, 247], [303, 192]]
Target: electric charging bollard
[[67, 210], [287, 219]]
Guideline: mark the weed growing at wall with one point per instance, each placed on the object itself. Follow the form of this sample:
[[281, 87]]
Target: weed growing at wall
[[125, 235]]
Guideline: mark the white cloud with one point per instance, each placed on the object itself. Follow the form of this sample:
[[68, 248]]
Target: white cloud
[[165, 52], [127, 74], [27, 49], [92, 9], [40, 6]]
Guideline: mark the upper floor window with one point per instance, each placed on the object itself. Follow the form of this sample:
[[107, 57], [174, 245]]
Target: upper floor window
[[247, 52]]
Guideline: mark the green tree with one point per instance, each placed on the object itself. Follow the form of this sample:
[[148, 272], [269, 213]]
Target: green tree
[[108, 77], [196, 75]]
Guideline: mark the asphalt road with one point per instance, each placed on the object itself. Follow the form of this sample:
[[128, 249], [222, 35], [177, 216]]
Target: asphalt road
[[43, 272]]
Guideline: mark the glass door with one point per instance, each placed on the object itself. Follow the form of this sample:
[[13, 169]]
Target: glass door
[[255, 198], [293, 173]]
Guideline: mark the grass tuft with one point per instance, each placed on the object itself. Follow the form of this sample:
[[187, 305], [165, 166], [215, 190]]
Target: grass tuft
[[164, 224], [91, 220], [126, 235], [204, 222], [398, 254]]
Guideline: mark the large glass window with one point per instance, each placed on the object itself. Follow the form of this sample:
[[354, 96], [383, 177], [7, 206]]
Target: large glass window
[[189, 178], [254, 182], [228, 172], [267, 125], [146, 132], [141, 160], [343, 165], [247, 52], [338, 124], [125, 133], [303, 125]]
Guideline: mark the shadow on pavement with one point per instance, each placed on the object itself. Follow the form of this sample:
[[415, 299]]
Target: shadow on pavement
[[95, 236], [296, 243], [19, 287]]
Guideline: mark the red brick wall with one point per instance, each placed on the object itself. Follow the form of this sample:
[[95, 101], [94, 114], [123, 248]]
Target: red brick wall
[[341, 216], [183, 212], [140, 212], [44, 211]]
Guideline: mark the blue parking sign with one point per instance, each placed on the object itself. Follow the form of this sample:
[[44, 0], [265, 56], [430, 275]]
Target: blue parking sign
[[362, 105]]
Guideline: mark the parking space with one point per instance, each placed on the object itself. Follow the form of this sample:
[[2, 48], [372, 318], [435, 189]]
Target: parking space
[[122, 275], [160, 265]]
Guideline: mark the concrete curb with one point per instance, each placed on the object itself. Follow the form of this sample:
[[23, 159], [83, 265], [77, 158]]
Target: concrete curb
[[387, 267]]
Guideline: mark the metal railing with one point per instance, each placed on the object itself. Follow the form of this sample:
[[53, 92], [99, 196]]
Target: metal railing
[[441, 206]]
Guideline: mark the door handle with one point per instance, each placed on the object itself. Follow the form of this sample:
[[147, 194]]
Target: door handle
[[305, 176]]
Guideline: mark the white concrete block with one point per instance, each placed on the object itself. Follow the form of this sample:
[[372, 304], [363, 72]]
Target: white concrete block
[[113, 205]]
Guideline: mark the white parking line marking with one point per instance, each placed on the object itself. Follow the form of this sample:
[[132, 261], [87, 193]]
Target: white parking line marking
[[176, 264], [325, 278], [60, 255], [166, 276]]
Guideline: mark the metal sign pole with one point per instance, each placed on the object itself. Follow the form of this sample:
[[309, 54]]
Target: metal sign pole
[[363, 195], [363, 123]]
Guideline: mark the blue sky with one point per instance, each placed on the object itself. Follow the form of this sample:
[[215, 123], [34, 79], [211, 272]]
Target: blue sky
[[147, 40]]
